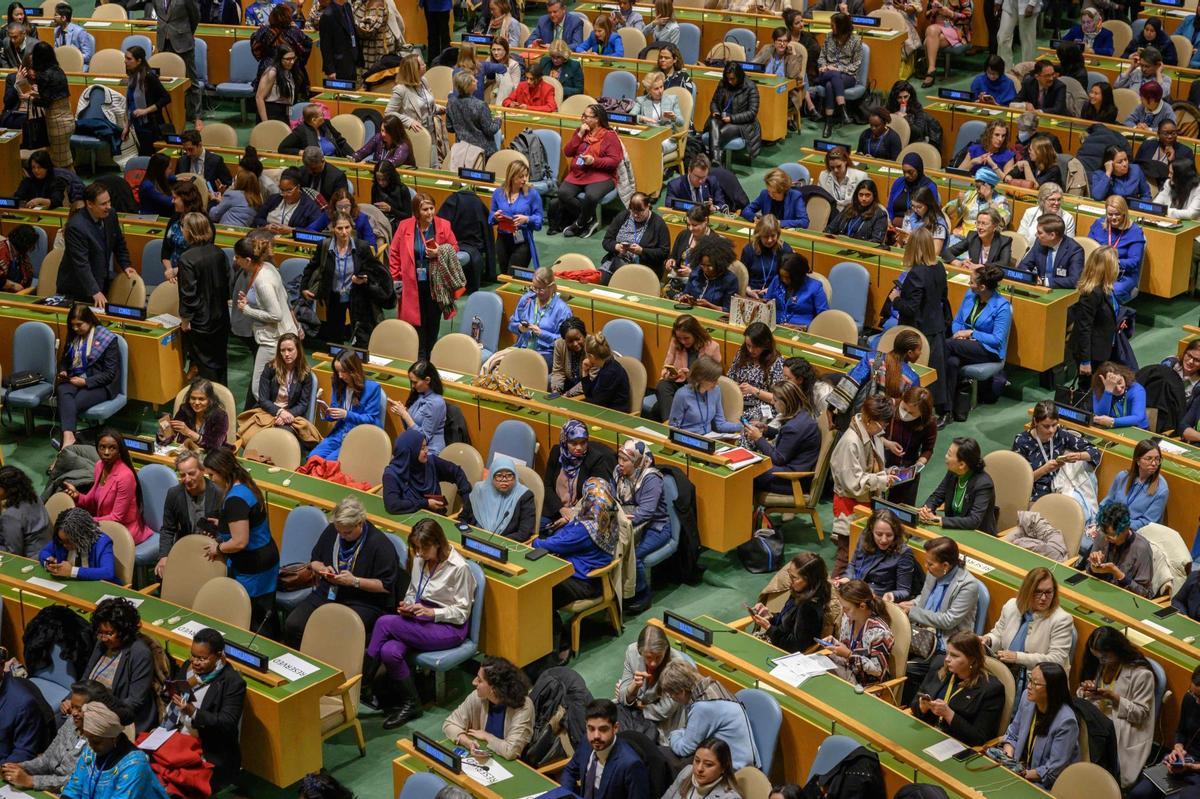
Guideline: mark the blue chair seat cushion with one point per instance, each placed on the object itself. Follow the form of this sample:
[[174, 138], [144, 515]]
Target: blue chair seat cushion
[[235, 89], [662, 553], [649, 405], [79, 140], [103, 410], [146, 553], [287, 600], [735, 144], [30, 396], [982, 371], [446, 659]]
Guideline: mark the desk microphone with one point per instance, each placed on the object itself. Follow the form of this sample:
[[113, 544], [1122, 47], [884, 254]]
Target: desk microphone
[[254, 637]]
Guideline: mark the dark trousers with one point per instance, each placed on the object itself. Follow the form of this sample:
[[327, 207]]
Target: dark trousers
[[962, 352], [905, 493], [431, 321], [209, 351], [251, 347], [720, 134], [191, 100], [335, 329], [147, 134], [74, 400], [279, 111], [510, 254], [941, 388], [571, 590], [293, 626], [835, 84], [438, 23], [666, 395], [581, 212], [991, 18]]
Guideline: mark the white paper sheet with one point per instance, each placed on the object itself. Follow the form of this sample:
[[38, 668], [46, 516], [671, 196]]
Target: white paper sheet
[[9, 792], [821, 345], [647, 431], [453, 377], [795, 669], [190, 628], [615, 295], [156, 739], [492, 774], [976, 566], [379, 360], [49, 585], [166, 320], [1172, 447], [1156, 626], [944, 750], [291, 667]]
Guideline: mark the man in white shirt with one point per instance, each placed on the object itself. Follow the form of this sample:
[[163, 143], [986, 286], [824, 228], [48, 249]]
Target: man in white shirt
[[607, 768]]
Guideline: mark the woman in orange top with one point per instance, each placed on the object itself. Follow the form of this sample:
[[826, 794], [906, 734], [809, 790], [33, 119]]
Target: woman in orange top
[[594, 153], [411, 259]]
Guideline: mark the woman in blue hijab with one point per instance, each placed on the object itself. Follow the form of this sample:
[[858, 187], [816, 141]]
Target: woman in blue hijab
[[900, 197], [412, 481], [500, 504]]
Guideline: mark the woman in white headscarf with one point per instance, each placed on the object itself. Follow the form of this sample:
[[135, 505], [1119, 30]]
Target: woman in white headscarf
[[500, 504], [640, 492]]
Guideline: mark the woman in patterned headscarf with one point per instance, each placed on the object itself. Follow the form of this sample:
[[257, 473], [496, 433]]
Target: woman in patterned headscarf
[[572, 461], [588, 541], [640, 491]]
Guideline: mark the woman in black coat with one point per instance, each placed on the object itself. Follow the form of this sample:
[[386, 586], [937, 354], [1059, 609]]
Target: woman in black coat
[[800, 622], [145, 99], [863, 218], [345, 273], [733, 113], [636, 236], [213, 709], [121, 660], [389, 194], [290, 368], [997, 250], [1095, 315], [203, 280], [960, 689], [966, 492], [921, 302], [568, 466]]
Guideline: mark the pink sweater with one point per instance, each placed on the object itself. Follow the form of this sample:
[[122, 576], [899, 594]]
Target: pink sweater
[[677, 356], [116, 500]]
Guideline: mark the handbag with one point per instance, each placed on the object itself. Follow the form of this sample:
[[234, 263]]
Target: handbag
[[763, 553], [296, 576], [34, 133], [923, 644]]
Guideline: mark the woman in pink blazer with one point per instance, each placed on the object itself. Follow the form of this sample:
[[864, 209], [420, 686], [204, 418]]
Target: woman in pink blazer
[[689, 340], [411, 259], [115, 494]]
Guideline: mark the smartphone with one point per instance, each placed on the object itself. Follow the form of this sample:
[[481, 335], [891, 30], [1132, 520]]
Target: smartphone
[[1076, 579], [683, 306], [926, 697], [746, 419], [965, 755], [536, 554], [1165, 612]]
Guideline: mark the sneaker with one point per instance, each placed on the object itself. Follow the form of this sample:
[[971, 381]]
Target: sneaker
[[591, 229], [571, 231]]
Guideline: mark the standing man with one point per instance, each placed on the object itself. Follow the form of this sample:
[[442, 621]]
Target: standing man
[[93, 237], [177, 21], [188, 506], [340, 53]]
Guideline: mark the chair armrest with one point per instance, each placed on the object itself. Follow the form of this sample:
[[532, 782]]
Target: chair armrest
[[343, 691], [605, 569], [26, 291], [376, 490], [554, 767], [888, 686], [793, 475], [1071, 561], [151, 589], [1162, 601], [345, 687]]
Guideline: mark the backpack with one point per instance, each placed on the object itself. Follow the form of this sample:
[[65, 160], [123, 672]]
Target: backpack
[[529, 145], [857, 776], [559, 697], [763, 553]]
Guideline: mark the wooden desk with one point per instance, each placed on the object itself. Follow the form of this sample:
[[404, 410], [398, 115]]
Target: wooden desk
[[10, 161], [1182, 77], [526, 781], [1191, 333], [157, 351], [1170, 16], [280, 735], [1093, 603], [725, 497], [78, 81]]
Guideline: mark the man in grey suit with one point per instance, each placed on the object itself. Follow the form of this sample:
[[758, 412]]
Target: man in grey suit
[[177, 21]]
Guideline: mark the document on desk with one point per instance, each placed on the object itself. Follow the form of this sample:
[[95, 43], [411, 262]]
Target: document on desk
[[447, 375], [798, 668], [944, 750], [291, 667], [614, 295], [977, 566], [190, 628], [489, 774], [9, 792], [49, 585], [156, 739], [1172, 447]]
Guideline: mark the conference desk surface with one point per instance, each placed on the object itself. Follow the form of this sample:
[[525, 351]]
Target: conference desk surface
[[1190, 334], [598, 305], [724, 496], [1170, 16], [10, 161], [1092, 602], [1166, 267], [826, 704], [280, 736], [1111, 66], [526, 782], [157, 350], [1039, 315], [78, 81]]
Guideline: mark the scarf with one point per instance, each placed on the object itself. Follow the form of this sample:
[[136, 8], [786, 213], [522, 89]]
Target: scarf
[[643, 465], [446, 279], [1089, 24], [598, 513], [417, 480], [573, 430], [494, 510], [101, 721], [89, 350]]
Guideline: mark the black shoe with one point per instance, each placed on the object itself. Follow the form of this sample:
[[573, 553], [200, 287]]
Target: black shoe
[[590, 230], [402, 715], [943, 420], [828, 130], [56, 444], [845, 115], [554, 231], [571, 231]]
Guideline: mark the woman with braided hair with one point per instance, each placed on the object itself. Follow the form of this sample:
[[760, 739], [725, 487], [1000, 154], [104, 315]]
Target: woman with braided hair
[[79, 549]]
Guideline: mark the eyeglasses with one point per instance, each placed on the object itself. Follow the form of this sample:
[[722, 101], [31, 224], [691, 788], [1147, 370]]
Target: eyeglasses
[[1035, 684], [1039, 592]]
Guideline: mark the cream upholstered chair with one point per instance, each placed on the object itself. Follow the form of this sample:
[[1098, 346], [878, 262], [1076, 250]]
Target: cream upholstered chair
[[110, 11], [266, 135], [635, 278], [172, 66], [929, 154], [889, 689], [352, 129], [1089, 246], [634, 41], [500, 160], [163, 299], [637, 381], [1065, 515], [574, 106], [799, 500], [1020, 246], [394, 338], [123, 550], [742, 274], [732, 401], [109, 61], [606, 602], [572, 261], [752, 783], [224, 599], [217, 134], [457, 352], [1002, 673], [47, 284], [1122, 34], [836, 325], [69, 58], [1013, 478], [187, 568], [278, 444], [887, 340], [335, 635], [819, 210], [466, 458], [1126, 100], [686, 109], [533, 481], [1172, 560], [824, 281], [527, 367], [558, 90], [225, 396], [58, 502], [440, 81], [126, 290], [422, 147], [366, 450], [1086, 780], [900, 125]]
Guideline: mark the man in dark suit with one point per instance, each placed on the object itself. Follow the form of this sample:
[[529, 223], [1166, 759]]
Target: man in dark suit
[[216, 716], [198, 160], [608, 768], [1043, 91], [340, 52], [1097, 139], [1056, 260], [177, 21], [93, 237], [557, 23], [698, 185], [313, 129], [19, 45], [324, 178], [195, 498]]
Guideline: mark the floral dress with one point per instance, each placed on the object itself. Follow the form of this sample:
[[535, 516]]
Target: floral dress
[[958, 29], [745, 370], [870, 651]]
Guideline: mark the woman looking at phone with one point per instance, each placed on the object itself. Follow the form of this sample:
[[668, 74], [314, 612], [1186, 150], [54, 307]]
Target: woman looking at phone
[[356, 400], [958, 696], [689, 340], [412, 481], [1032, 628], [1044, 734], [1117, 679], [795, 438], [78, 549], [497, 716], [863, 647], [801, 621]]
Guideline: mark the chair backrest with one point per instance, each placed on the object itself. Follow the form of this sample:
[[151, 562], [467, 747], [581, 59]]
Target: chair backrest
[[836, 325], [47, 284], [1065, 515], [266, 135], [69, 58], [526, 367], [440, 81], [619, 84], [1126, 100], [1183, 48], [280, 445], [335, 635], [929, 154], [732, 401], [982, 603], [110, 11], [742, 274], [123, 361], [625, 336], [1086, 780], [58, 502], [573, 106], [201, 59], [123, 550], [686, 105], [490, 310], [797, 173], [228, 404], [745, 37], [824, 281], [515, 439], [172, 66], [1121, 32], [1002, 673], [533, 481], [570, 262], [1020, 246], [970, 131], [224, 599], [725, 51], [33, 349], [421, 785], [422, 147], [1160, 692], [752, 783], [850, 283], [689, 42], [633, 40], [126, 290], [109, 61], [636, 372], [638, 278], [819, 210], [557, 86], [366, 450], [153, 272], [291, 269], [765, 717], [476, 619], [833, 750], [1089, 245], [1013, 478], [156, 480], [394, 338], [898, 621], [552, 144], [466, 458], [188, 568], [501, 159], [243, 67], [301, 529], [351, 128], [457, 352], [164, 299]]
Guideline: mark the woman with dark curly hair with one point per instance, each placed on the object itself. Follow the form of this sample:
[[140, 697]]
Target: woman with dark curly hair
[[498, 715], [24, 523], [78, 549], [712, 285], [121, 660]]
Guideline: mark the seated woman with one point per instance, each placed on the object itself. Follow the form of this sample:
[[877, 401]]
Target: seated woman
[[1118, 176], [985, 245], [411, 482], [78, 549], [1091, 33], [1032, 627], [343, 202], [435, 614], [500, 503], [763, 254], [639, 488], [588, 542], [757, 365], [697, 406], [1047, 446], [110, 765], [863, 218], [1100, 107], [154, 193], [912, 177], [670, 62], [678, 266], [838, 65], [966, 492], [984, 196], [780, 199], [1120, 556], [991, 150], [603, 40], [569, 464], [605, 382], [1049, 201], [121, 660], [200, 423], [879, 140], [980, 330], [840, 178], [797, 296], [958, 696], [1044, 733], [993, 85], [712, 285], [733, 114], [689, 341], [355, 565], [924, 213], [17, 270], [1117, 400], [864, 640], [212, 711], [1116, 677], [533, 93], [883, 559], [710, 774], [558, 64], [566, 361], [497, 717], [239, 204], [662, 27], [798, 625], [42, 187], [1141, 487], [1040, 165], [1187, 368], [1152, 111], [1117, 229], [355, 401], [88, 368], [25, 526], [1181, 192], [285, 392], [390, 143], [792, 439], [115, 494], [425, 407], [595, 152], [1153, 35], [641, 703]]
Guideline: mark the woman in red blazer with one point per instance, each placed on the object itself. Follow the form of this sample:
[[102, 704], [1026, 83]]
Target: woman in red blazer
[[114, 494], [409, 259], [594, 153]]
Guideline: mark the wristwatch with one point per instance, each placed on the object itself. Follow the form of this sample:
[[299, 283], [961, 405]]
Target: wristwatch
[[357, 582]]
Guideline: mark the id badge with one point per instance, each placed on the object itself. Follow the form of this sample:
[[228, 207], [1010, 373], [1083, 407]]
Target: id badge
[[518, 236], [422, 274], [1060, 271], [331, 594]]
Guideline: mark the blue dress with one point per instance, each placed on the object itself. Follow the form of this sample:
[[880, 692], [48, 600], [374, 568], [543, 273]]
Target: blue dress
[[367, 409], [239, 505], [1131, 248], [130, 778], [797, 306]]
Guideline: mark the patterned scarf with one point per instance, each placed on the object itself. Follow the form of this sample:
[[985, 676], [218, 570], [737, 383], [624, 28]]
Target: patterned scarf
[[598, 513]]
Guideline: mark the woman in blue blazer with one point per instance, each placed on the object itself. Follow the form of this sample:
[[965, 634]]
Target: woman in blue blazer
[[516, 213], [356, 401], [883, 559], [979, 332], [76, 533], [603, 40], [1140, 487], [1118, 400], [697, 407], [1044, 734], [793, 446], [780, 199], [1118, 175], [1115, 229], [797, 296]]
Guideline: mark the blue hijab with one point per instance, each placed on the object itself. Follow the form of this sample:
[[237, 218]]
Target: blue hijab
[[417, 480], [494, 510]]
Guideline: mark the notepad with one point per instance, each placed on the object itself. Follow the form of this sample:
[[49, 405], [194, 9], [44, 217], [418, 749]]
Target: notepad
[[960, 278], [614, 295], [453, 377], [1156, 626], [977, 566], [944, 750], [49, 585], [156, 739]]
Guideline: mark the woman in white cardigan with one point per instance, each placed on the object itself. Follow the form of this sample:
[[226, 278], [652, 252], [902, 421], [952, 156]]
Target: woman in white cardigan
[[265, 303], [1181, 191], [1049, 202], [1116, 677], [1032, 628], [498, 715], [858, 470]]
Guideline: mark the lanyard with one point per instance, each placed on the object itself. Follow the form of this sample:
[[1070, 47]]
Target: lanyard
[[874, 151], [1038, 441], [974, 315], [97, 673], [950, 689], [1029, 741], [707, 422], [1116, 243], [766, 274], [1138, 486], [423, 579], [336, 557]]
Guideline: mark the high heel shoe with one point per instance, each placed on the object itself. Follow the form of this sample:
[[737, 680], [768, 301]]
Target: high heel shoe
[[828, 129]]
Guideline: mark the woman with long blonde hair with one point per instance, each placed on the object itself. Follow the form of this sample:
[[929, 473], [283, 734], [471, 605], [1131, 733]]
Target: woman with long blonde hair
[[1117, 229], [516, 213]]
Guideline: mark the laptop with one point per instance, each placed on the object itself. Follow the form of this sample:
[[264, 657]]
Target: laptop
[[1165, 781]]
